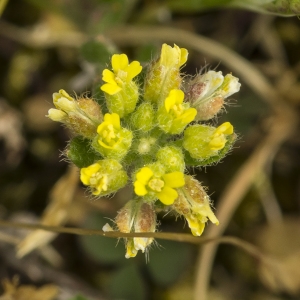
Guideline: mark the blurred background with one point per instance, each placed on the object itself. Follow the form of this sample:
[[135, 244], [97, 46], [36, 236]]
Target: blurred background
[[65, 44]]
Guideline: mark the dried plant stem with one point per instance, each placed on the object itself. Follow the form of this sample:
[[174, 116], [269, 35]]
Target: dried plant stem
[[267, 197], [133, 35], [178, 237], [263, 155]]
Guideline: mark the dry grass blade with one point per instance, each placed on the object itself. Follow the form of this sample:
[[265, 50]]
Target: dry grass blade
[[283, 126], [55, 214]]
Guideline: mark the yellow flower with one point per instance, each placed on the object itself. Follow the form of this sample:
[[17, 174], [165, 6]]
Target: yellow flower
[[174, 106], [162, 187], [104, 177], [173, 56], [122, 72], [108, 131], [194, 204], [218, 140], [92, 177]]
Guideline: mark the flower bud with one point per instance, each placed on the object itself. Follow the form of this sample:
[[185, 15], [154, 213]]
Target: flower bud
[[203, 141], [194, 204], [121, 92], [104, 177], [82, 116], [173, 115], [57, 115], [172, 158], [136, 216], [91, 109], [143, 118], [207, 92], [164, 74]]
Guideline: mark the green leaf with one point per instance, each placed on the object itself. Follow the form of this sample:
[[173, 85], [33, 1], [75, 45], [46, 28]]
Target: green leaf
[[80, 152], [95, 52], [168, 262], [102, 249], [128, 284]]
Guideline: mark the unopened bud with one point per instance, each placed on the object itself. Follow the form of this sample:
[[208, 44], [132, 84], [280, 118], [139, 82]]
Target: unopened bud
[[203, 142], [208, 91], [91, 109], [56, 115], [136, 216], [194, 204], [164, 74]]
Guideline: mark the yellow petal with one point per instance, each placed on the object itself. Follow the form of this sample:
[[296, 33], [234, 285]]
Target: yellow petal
[[108, 76], [144, 175], [217, 143], [86, 173], [139, 188], [119, 62], [169, 102], [113, 119], [188, 116], [175, 97], [110, 88], [133, 70], [105, 145], [183, 56], [174, 179], [167, 196], [225, 128], [65, 94]]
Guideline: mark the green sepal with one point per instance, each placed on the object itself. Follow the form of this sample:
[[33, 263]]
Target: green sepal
[[80, 152], [172, 158], [190, 161], [143, 118], [123, 102]]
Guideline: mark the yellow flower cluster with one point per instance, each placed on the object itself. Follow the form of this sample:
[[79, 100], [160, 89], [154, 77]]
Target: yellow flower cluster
[[149, 135]]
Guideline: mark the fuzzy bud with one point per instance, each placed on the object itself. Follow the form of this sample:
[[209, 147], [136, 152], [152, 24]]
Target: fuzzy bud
[[203, 141], [194, 204], [164, 74], [136, 216], [143, 118], [207, 92], [81, 116], [172, 158], [104, 177]]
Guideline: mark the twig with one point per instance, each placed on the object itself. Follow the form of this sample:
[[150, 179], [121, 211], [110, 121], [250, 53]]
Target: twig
[[267, 197], [132, 35], [178, 237], [281, 129]]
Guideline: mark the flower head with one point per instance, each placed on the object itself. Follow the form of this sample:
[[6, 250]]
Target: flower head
[[82, 115], [113, 141], [122, 72], [164, 74], [136, 216], [174, 115], [193, 203], [207, 92], [161, 187], [104, 177], [203, 141]]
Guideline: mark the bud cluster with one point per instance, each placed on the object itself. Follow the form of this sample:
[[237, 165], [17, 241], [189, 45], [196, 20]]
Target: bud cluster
[[149, 137]]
